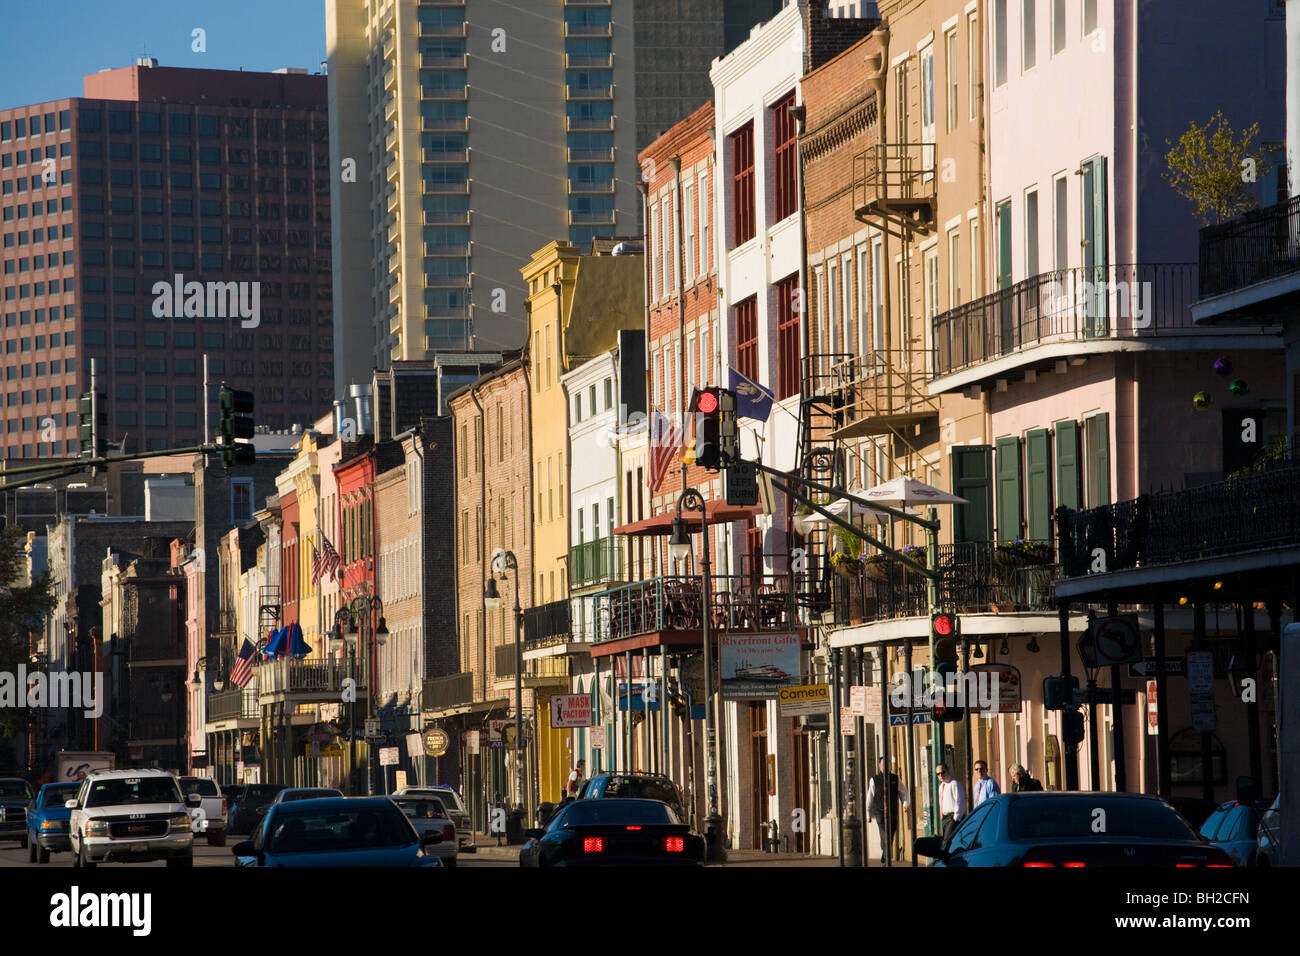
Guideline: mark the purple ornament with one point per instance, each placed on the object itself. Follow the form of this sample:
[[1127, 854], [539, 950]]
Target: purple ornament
[[1223, 366]]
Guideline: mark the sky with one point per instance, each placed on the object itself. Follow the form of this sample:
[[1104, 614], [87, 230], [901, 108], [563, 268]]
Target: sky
[[47, 46]]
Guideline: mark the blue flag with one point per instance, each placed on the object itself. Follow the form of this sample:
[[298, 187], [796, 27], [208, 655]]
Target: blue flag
[[752, 400]]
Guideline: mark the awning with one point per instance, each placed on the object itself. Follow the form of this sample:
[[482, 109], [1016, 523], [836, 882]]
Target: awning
[[662, 524]]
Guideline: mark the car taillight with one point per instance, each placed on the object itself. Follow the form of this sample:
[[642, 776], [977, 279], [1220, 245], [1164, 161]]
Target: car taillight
[[1219, 866], [1038, 863], [634, 828], [593, 845], [1184, 864], [449, 833], [224, 808], [675, 844], [1074, 864]]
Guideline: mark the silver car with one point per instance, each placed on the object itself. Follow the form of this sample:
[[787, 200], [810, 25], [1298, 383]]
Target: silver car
[[455, 808], [429, 816]]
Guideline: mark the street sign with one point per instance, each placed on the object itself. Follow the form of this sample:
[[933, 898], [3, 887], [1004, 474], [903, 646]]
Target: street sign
[[1102, 695], [388, 756], [847, 721], [597, 738], [1200, 671], [1153, 712], [436, 742], [472, 739], [1117, 640], [372, 727], [1203, 717], [740, 483], [571, 710], [496, 733], [804, 699], [1174, 667], [1003, 684], [920, 718], [858, 701], [898, 720]]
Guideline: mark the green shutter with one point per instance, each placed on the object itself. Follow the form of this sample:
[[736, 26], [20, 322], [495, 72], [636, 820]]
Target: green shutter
[[1038, 485], [972, 479], [1067, 464], [1097, 436], [1008, 485]]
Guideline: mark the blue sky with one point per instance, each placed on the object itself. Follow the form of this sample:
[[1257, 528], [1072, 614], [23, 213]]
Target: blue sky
[[47, 46]]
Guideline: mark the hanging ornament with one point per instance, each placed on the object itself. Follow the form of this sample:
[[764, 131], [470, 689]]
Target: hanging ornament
[[1202, 400], [1223, 366], [1238, 387]]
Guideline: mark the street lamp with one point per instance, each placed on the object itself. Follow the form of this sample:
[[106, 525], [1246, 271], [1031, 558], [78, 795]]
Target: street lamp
[[507, 561], [367, 608], [679, 546], [339, 637]]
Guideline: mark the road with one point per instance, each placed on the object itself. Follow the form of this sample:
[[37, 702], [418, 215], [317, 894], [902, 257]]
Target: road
[[204, 855]]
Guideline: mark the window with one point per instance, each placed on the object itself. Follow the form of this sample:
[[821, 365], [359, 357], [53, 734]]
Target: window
[[742, 184], [1060, 224], [832, 311], [747, 338], [689, 268], [656, 243], [1089, 16], [1096, 441], [787, 330], [999, 42], [609, 394], [577, 408], [241, 500], [927, 104], [954, 268], [1058, 26], [702, 212], [931, 298], [1031, 233], [950, 75], [1029, 35], [877, 295], [668, 247], [785, 159], [976, 253], [1008, 487]]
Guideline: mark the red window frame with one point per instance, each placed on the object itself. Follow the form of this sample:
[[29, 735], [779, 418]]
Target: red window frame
[[786, 178], [747, 337], [742, 184], [787, 332]]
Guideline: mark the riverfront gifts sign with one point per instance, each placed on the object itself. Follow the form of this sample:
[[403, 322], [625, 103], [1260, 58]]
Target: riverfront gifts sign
[[756, 666], [571, 710]]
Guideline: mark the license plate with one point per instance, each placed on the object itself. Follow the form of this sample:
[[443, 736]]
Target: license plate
[[139, 847]]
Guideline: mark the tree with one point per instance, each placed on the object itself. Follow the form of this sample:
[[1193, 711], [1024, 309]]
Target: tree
[[1214, 169], [22, 611]]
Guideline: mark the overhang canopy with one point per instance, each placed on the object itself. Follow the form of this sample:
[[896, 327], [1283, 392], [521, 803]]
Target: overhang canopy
[[662, 523]]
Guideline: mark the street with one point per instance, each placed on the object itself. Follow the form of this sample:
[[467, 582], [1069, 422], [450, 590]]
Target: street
[[11, 855]]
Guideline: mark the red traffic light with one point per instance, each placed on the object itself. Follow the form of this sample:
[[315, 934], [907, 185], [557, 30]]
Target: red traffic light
[[707, 402], [944, 624]]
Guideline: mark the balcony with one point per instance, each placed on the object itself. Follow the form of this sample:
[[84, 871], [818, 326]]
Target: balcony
[[674, 603], [573, 61], [445, 189], [308, 680], [430, 125], [546, 670], [390, 109], [428, 93], [595, 562], [577, 124], [604, 187], [876, 394], [443, 693], [588, 29], [1250, 266], [445, 218], [442, 30], [234, 705], [224, 623], [457, 157], [591, 218], [590, 155], [547, 623], [895, 182], [589, 92], [1057, 315], [437, 61]]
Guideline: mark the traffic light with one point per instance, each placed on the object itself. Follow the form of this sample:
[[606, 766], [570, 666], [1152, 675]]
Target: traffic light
[[944, 624], [1072, 727], [945, 664], [1057, 692], [236, 427], [728, 439], [706, 406], [93, 442]]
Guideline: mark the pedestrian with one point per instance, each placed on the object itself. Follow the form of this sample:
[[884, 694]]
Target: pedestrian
[[952, 800], [876, 807], [985, 786], [577, 777], [1021, 782]]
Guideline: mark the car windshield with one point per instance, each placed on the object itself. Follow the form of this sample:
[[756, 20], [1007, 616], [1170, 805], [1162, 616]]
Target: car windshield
[[422, 808], [58, 796], [261, 794], [339, 828], [1050, 817], [199, 785], [641, 789], [11, 789], [119, 790], [601, 813], [307, 795]]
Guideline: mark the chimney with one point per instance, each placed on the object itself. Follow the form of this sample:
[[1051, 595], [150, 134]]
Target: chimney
[[360, 395]]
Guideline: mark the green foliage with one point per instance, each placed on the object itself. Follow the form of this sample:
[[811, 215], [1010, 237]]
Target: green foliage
[[22, 611], [849, 545], [1213, 168]]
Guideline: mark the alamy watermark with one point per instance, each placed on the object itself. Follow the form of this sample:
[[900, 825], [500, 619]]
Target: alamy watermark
[[208, 300], [1132, 299], [60, 690], [974, 690]]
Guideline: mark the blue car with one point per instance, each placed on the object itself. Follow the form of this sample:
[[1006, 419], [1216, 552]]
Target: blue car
[[47, 821], [335, 831]]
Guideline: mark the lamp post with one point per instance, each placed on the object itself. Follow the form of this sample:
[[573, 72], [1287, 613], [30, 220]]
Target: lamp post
[[339, 639], [507, 561], [679, 546], [364, 609]]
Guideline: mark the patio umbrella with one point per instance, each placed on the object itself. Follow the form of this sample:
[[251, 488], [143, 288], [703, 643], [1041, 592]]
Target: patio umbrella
[[296, 646], [275, 643], [841, 507], [908, 491]]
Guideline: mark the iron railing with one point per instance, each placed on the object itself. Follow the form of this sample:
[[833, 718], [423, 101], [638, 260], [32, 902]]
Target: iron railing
[[443, 692], [676, 603], [1253, 512], [1260, 245], [232, 704], [595, 562], [504, 658], [893, 172], [1070, 305], [547, 621], [326, 678]]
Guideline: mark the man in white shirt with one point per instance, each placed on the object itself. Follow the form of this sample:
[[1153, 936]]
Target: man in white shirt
[[876, 809], [952, 800], [576, 779]]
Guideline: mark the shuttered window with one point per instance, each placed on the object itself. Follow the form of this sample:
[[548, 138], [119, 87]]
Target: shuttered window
[[972, 479], [1096, 434], [1067, 465], [1007, 462], [1038, 485]]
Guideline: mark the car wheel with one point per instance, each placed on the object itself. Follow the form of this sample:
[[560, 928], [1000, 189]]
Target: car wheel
[[22, 842], [42, 855], [217, 839], [82, 859], [31, 850], [181, 861]]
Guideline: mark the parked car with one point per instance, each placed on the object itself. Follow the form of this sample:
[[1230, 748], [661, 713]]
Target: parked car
[[455, 808], [1268, 841], [243, 812], [1195, 810], [15, 797], [640, 786], [131, 816], [626, 832], [1234, 828], [429, 815], [47, 821], [289, 794], [1064, 829], [336, 831], [212, 823]]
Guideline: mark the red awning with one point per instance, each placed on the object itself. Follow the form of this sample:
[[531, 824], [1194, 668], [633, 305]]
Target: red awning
[[662, 524]]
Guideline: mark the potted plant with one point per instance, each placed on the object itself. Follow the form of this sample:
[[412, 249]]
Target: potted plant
[[1022, 553], [847, 557]]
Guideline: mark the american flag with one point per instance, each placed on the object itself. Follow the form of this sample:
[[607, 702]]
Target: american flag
[[326, 559], [665, 443], [242, 672]]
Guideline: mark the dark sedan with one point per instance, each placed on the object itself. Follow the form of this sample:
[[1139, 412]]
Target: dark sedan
[[243, 811], [1072, 829], [626, 832], [335, 831]]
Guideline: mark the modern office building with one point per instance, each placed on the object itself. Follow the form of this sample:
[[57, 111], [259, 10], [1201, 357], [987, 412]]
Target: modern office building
[[114, 203], [469, 136]]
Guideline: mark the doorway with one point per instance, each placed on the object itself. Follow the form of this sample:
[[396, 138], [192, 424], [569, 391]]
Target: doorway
[[758, 771]]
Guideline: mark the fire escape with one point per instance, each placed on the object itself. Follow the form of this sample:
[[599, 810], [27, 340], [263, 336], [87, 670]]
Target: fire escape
[[268, 613]]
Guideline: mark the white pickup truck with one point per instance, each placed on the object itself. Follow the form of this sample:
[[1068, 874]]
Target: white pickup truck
[[209, 817]]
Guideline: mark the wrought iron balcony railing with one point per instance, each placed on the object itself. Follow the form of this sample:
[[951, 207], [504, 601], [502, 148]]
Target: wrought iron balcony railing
[[737, 602], [1261, 245], [547, 621], [233, 704], [307, 677], [1072, 305], [1253, 512], [895, 182], [443, 692], [595, 562]]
